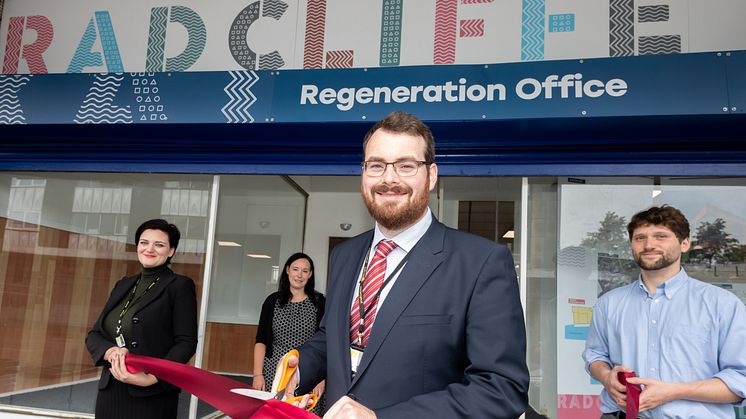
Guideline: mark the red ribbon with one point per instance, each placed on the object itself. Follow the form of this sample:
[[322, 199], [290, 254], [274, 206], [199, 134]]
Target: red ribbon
[[215, 390], [633, 394]]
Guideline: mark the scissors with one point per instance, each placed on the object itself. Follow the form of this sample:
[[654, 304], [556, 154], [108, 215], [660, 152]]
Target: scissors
[[285, 373]]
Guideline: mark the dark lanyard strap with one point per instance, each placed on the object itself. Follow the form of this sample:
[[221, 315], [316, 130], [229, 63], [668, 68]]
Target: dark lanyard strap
[[130, 303]]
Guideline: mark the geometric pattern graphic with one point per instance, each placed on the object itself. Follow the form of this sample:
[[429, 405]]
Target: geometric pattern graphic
[[621, 28], [659, 44], [471, 28], [13, 44], [44, 34], [98, 106], [148, 98], [532, 30], [313, 46], [11, 111], [339, 59], [562, 23], [445, 31], [85, 57], [156, 39], [274, 9], [390, 33], [196, 38], [271, 61], [239, 48], [653, 13], [109, 43], [240, 97]]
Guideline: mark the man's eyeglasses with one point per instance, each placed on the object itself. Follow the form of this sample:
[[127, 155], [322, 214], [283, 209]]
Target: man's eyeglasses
[[403, 168]]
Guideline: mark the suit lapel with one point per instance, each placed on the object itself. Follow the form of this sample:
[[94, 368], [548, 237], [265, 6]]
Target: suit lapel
[[347, 274], [425, 258]]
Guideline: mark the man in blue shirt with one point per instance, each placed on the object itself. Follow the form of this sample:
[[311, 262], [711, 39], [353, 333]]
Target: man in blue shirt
[[684, 338]]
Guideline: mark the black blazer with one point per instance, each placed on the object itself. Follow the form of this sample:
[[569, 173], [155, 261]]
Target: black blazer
[[448, 341], [164, 326]]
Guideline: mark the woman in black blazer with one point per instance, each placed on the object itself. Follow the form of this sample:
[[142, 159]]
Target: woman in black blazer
[[153, 313]]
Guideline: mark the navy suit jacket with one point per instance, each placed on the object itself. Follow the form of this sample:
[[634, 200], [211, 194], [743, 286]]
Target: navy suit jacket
[[448, 341]]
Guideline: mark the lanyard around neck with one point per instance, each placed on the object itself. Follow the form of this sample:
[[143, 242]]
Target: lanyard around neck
[[374, 301], [129, 303]]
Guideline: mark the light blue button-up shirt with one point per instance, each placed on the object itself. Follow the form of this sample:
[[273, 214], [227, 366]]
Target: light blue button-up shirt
[[687, 331]]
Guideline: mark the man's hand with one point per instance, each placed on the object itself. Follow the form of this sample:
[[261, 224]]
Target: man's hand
[[346, 408], [616, 390], [654, 392]]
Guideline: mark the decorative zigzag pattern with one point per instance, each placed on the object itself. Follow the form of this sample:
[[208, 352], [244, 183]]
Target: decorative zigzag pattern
[[240, 50], [13, 44], [44, 34], [621, 28], [532, 30], [240, 97], [274, 9], [313, 46], [471, 28], [659, 44], [197, 38], [156, 39], [573, 256], [653, 13], [84, 57], [391, 33], [271, 61], [98, 106], [11, 111], [339, 59], [445, 32]]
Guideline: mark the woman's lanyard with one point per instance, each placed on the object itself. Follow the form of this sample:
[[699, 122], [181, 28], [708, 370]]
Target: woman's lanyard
[[120, 339], [362, 309]]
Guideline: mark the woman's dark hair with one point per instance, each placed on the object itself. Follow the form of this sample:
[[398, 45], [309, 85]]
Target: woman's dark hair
[[159, 224], [284, 287]]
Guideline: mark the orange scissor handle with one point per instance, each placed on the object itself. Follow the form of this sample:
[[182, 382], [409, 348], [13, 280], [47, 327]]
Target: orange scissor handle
[[287, 372], [312, 398]]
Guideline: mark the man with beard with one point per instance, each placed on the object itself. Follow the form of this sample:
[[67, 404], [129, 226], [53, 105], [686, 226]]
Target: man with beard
[[441, 335], [684, 338]]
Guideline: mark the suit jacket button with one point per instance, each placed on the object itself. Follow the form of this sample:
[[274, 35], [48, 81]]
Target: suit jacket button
[[134, 344], [135, 320]]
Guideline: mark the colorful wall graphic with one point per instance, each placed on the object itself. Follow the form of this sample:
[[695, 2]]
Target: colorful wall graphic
[[94, 36]]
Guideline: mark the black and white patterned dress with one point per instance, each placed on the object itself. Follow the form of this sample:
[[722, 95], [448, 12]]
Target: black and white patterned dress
[[292, 325]]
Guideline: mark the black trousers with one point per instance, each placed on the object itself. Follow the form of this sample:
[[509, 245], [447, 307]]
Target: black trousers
[[115, 402], [615, 415]]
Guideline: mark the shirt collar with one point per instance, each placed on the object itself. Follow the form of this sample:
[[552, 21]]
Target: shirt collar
[[409, 237], [671, 286]]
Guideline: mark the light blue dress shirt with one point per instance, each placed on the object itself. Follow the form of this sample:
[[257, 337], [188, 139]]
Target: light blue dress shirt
[[688, 331]]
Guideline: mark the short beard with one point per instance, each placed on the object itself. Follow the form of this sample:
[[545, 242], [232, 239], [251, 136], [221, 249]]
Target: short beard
[[661, 263], [389, 215]]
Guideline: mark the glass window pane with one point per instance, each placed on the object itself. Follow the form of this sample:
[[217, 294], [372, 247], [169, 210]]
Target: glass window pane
[[65, 241]]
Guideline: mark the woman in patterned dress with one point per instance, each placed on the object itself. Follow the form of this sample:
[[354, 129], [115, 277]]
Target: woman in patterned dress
[[289, 317]]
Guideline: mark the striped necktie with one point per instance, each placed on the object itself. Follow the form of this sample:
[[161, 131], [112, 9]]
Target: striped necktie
[[371, 291]]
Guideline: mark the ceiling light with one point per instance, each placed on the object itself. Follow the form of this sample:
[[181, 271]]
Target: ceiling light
[[258, 256], [228, 244], [509, 234]]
